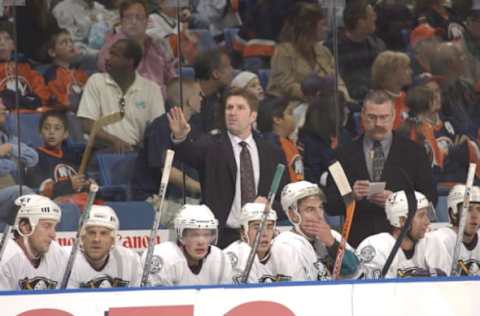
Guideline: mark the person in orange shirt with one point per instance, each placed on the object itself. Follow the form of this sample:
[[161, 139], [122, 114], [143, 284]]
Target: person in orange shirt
[[31, 87], [391, 72], [275, 122], [64, 82]]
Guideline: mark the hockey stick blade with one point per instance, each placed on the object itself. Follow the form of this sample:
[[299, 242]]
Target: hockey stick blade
[[341, 181], [271, 197], [73, 253], [158, 213], [463, 214], [97, 126]]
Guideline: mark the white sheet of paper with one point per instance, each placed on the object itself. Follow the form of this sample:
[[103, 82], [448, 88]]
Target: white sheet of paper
[[375, 187]]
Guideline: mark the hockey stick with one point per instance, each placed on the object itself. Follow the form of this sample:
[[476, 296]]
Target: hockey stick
[[277, 177], [338, 175], [412, 208], [68, 269], [167, 167], [463, 214], [97, 126]]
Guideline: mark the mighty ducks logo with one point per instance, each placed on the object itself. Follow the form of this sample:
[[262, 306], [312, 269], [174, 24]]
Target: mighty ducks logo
[[37, 283], [469, 267], [104, 281], [156, 265]]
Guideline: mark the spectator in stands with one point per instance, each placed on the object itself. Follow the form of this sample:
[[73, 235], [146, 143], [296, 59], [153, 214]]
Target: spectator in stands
[[121, 88], [395, 20], [317, 137], [78, 17], [440, 17], [157, 61], [301, 53], [35, 22], [163, 24], [151, 157], [470, 44], [358, 47], [218, 15], [423, 41], [275, 122], [226, 160], [64, 82], [449, 153], [10, 156], [248, 80], [378, 156], [391, 73], [459, 99], [56, 172], [32, 89], [214, 72]]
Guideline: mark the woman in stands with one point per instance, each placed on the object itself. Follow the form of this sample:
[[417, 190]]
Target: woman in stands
[[300, 53]]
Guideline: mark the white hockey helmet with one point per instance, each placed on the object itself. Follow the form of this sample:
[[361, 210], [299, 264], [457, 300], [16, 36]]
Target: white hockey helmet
[[194, 217], [253, 212], [456, 195], [35, 207], [396, 206], [104, 216], [293, 192]]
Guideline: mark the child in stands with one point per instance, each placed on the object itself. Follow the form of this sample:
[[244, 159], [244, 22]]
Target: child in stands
[[64, 82], [55, 174], [32, 90]]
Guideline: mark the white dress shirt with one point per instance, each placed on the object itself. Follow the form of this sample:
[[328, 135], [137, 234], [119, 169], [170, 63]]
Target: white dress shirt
[[233, 219]]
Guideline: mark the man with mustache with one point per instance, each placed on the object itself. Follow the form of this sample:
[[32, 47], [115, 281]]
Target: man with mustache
[[379, 155]]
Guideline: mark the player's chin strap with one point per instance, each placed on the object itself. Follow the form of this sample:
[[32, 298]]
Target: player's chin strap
[[296, 226], [28, 248]]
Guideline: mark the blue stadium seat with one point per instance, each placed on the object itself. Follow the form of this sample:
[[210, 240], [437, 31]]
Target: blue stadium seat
[[115, 171], [205, 40], [187, 72], [70, 217], [264, 75], [29, 128], [229, 36], [133, 215]]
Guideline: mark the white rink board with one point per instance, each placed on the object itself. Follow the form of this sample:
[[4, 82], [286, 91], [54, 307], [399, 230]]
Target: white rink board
[[424, 297]]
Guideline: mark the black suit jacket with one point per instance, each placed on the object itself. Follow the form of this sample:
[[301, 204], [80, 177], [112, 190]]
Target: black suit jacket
[[406, 163], [214, 159]]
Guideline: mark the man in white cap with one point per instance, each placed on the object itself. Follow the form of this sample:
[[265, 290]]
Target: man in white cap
[[250, 81]]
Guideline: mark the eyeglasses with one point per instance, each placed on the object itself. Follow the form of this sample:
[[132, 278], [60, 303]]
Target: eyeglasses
[[380, 118]]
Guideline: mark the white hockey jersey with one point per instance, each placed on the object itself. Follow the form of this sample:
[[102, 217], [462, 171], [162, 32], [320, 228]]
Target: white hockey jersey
[[238, 253], [295, 258], [123, 269], [427, 260], [469, 259], [17, 272], [169, 267]]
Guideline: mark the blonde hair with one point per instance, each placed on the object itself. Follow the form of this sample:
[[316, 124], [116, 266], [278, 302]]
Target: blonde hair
[[386, 65]]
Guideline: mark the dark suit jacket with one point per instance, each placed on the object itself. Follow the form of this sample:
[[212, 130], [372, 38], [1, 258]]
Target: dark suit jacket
[[404, 155], [214, 159]]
